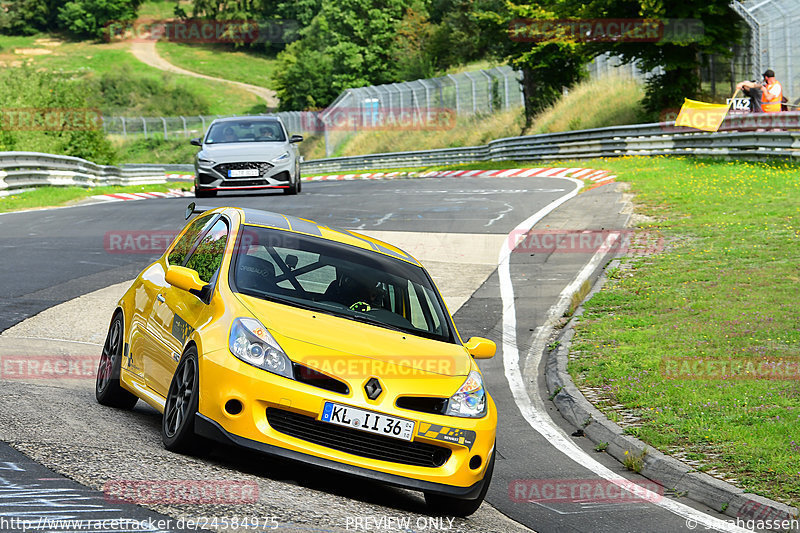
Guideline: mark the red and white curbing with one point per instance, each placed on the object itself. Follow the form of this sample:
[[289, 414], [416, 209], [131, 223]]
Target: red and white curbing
[[597, 177], [127, 196]]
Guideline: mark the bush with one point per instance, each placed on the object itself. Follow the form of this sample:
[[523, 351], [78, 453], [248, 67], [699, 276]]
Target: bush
[[124, 92], [27, 95], [172, 151]]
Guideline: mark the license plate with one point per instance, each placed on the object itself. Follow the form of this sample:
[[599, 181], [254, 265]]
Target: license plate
[[369, 421], [243, 173]]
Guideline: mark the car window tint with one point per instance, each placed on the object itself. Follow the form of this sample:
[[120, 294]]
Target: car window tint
[[182, 248], [338, 279], [208, 255], [245, 131], [417, 315]]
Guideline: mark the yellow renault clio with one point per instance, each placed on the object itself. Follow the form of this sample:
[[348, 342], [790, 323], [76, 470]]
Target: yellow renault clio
[[310, 343]]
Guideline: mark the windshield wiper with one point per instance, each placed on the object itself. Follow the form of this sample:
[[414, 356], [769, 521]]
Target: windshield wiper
[[372, 321]]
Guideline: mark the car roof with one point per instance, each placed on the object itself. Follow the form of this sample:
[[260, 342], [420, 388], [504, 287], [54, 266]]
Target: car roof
[[268, 219], [245, 118]]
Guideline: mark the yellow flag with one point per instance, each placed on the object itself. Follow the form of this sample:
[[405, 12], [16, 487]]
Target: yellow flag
[[702, 116]]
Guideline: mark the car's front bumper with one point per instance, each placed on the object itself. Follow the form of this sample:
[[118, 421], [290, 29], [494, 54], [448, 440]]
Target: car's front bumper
[[276, 176], [210, 429], [224, 378]]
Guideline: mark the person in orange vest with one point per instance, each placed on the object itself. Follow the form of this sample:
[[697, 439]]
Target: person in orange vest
[[765, 97]]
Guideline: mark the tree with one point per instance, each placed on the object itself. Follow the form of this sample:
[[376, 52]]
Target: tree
[[89, 18], [548, 66], [677, 54], [27, 17], [348, 44]]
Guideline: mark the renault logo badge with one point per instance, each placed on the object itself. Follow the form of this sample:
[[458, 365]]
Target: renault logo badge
[[373, 388]]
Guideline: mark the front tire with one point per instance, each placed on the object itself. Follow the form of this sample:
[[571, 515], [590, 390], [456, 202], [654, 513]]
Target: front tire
[[292, 189], [107, 388], [177, 424], [448, 505]]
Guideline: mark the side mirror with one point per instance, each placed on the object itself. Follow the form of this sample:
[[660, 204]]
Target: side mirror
[[295, 138], [196, 142], [480, 348], [185, 279]]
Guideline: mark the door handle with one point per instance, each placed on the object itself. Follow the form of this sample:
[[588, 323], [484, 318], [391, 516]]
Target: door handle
[[161, 298]]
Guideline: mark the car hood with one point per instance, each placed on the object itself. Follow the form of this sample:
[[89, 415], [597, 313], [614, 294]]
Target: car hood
[[250, 151], [323, 342]]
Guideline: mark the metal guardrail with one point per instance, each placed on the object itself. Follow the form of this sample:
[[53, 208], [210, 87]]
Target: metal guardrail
[[751, 137], [22, 170]]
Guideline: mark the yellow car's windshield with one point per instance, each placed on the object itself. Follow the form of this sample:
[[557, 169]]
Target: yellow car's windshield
[[338, 279]]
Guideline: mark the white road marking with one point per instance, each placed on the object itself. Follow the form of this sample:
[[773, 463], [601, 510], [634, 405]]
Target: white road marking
[[537, 417], [508, 209], [383, 219]]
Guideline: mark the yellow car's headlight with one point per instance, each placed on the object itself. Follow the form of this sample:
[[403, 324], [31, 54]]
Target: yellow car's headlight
[[470, 400], [252, 343]]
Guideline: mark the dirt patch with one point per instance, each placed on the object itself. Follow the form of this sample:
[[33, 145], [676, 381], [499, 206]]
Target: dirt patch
[[32, 51]]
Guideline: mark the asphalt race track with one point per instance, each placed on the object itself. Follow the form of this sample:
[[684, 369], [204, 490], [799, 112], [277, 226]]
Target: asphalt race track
[[52, 257]]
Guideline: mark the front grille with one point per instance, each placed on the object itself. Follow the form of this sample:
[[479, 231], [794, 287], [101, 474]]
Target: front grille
[[310, 376], [263, 168], [423, 404], [243, 182], [357, 442]]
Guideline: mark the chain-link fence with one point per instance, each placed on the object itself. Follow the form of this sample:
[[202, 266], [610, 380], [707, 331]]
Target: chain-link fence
[[429, 103], [773, 44], [194, 126]]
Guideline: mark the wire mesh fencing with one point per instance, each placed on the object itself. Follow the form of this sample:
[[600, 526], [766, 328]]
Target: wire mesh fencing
[[187, 127], [432, 103]]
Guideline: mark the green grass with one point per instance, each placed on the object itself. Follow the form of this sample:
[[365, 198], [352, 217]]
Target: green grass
[[58, 196], [161, 9], [220, 61], [173, 151], [95, 59], [725, 287]]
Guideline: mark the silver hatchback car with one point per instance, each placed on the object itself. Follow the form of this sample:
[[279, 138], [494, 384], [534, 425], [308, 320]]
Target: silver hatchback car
[[246, 153]]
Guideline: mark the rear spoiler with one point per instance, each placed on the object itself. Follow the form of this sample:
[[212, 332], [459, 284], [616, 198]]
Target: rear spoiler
[[193, 209]]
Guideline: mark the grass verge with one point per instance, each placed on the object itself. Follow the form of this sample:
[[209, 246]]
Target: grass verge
[[59, 196], [723, 290]]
